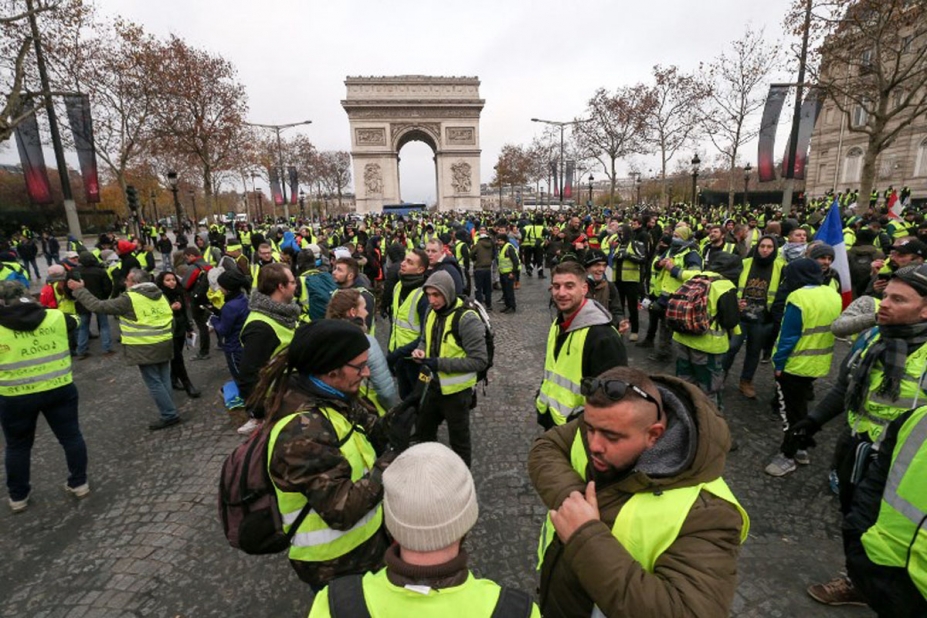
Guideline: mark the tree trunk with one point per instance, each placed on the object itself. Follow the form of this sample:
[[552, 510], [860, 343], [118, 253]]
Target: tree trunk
[[867, 175], [611, 194], [207, 188]]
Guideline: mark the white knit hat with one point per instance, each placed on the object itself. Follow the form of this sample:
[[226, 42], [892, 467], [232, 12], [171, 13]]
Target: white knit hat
[[429, 500]]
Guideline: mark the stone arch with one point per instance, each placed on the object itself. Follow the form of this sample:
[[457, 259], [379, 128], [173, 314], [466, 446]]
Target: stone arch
[[386, 113]]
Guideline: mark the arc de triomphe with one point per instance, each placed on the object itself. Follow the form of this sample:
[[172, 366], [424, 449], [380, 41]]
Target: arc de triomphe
[[385, 113]]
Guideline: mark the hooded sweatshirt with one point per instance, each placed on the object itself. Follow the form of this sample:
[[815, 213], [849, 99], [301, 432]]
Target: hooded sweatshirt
[[482, 253], [258, 340], [697, 574], [148, 354], [472, 330]]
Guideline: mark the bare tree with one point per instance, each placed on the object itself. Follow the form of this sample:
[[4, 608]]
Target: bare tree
[[616, 127], [735, 82], [335, 171], [673, 120], [870, 58]]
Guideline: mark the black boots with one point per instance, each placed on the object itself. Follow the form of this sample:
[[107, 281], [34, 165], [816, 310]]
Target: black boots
[[192, 391], [177, 383]]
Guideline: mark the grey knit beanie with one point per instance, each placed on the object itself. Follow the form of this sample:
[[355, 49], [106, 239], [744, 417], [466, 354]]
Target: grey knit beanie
[[429, 500]]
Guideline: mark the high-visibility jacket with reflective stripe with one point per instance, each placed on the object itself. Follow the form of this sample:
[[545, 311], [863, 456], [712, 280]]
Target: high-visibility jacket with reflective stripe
[[8, 268], [777, 265], [666, 282], [899, 537], [820, 305], [476, 598], [649, 522], [533, 234], [879, 410], [315, 541], [153, 321], [716, 340], [450, 382], [65, 304], [35, 361], [284, 333], [407, 326], [560, 390], [630, 271], [506, 265]]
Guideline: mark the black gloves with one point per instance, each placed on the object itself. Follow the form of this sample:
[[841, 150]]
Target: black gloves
[[803, 432]]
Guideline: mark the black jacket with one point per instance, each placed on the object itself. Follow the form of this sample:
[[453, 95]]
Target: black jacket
[[96, 281]]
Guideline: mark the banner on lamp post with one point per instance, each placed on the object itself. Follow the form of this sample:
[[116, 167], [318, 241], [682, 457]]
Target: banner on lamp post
[[556, 176], [568, 180], [810, 108], [29, 144], [294, 184], [78, 110], [275, 191], [765, 165]]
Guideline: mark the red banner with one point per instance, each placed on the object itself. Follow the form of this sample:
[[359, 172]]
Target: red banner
[[29, 144], [78, 109], [275, 191], [294, 184], [568, 181], [810, 108], [766, 166]]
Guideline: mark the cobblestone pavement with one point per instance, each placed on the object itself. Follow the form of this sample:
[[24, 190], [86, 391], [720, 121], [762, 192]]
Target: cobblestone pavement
[[147, 542]]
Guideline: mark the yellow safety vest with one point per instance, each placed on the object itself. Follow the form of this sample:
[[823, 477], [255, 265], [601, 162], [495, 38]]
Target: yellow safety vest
[[879, 410], [630, 271], [716, 340], [315, 540], [475, 598], [560, 390], [899, 537], [774, 280], [245, 238], [505, 262], [35, 361], [450, 382], [406, 324], [284, 334], [153, 321], [820, 305], [65, 304], [649, 522], [666, 282]]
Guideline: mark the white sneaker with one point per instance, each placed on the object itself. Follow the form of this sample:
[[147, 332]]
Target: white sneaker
[[81, 491], [802, 458], [250, 427], [633, 336], [781, 465], [18, 506]]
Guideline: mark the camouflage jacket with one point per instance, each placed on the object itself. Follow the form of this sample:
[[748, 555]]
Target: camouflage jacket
[[306, 459]]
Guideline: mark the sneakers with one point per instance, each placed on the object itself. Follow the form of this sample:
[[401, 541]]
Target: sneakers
[[834, 482], [781, 465], [838, 591], [81, 491], [18, 506], [765, 358], [633, 336], [747, 390], [802, 457], [164, 423], [250, 427]]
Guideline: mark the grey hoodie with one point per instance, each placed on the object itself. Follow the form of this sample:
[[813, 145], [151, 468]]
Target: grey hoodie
[[149, 354], [472, 331]]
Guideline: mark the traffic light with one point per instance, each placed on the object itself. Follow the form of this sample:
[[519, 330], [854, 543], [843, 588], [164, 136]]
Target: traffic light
[[132, 198]]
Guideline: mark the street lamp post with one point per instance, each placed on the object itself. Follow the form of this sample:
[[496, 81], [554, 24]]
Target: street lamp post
[[260, 199], [695, 163], [277, 128], [591, 179], [541, 203], [196, 218], [154, 206], [499, 180], [178, 210], [638, 188], [562, 125], [747, 171], [302, 204]]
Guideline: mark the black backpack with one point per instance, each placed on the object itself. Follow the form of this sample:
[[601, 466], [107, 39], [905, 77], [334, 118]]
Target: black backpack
[[346, 600], [476, 306]]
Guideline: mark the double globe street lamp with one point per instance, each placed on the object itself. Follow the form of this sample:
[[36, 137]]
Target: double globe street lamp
[[695, 163]]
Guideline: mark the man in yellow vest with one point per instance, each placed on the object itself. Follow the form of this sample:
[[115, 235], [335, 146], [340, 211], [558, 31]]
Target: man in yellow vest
[[640, 516], [429, 505], [803, 353], [453, 346], [508, 267], [35, 378], [408, 308], [146, 326], [267, 330], [326, 453], [880, 380]]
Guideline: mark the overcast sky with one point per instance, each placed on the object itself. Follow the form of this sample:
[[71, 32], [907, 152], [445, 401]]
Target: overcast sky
[[538, 58]]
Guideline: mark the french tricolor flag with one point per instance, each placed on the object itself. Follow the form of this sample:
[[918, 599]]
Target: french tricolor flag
[[831, 232]]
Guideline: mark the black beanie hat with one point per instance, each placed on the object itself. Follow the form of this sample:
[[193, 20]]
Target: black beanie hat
[[232, 280], [325, 345]]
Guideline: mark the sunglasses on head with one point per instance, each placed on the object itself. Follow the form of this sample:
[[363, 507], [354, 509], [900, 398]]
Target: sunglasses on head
[[616, 390]]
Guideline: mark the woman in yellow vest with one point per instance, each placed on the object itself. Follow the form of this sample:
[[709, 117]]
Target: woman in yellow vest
[[641, 521], [326, 452]]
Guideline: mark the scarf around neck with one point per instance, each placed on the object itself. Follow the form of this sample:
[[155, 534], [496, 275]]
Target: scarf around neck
[[891, 349]]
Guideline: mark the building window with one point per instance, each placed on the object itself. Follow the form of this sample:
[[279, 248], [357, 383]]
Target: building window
[[887, 167], [822, 173], [920, 169], [897, 97], [860, 116], [852, 165], [829, 116]]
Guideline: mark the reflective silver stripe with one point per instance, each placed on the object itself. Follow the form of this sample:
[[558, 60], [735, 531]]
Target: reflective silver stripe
[[34, 361], [823, 352], [145, 330], [563, 382], [39, 378], [899, 467], [329, 535], [456, 378], [561, 408], [817, 330]]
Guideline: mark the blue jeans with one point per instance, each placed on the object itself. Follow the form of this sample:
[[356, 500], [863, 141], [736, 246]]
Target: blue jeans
[[157, 378], [482, 289], [166, 261], [83, 333], [35, 268], [756, 334], [19, 416]]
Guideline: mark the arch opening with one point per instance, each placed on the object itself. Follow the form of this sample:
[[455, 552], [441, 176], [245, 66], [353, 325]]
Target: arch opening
[[418, 171]]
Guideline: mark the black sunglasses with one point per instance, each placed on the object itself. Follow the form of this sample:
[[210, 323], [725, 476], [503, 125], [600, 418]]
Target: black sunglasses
[[616, 390]]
